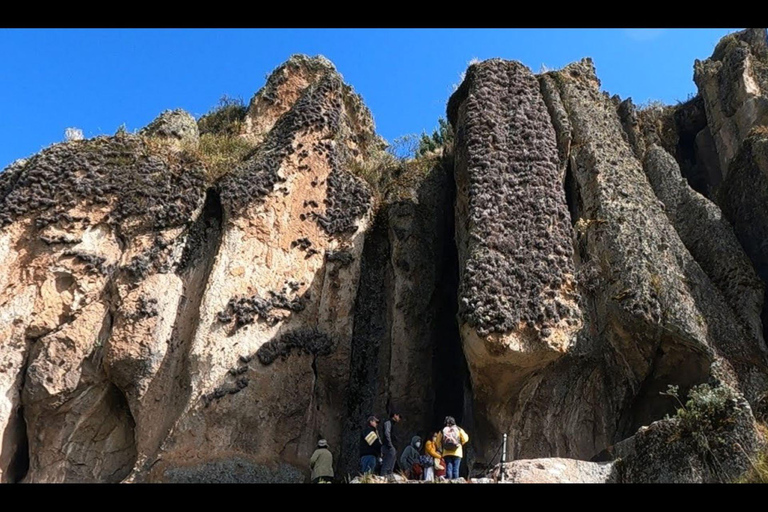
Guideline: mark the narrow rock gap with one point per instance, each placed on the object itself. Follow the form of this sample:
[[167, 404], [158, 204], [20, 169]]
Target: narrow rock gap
[[695, 153], [170, 389], [314, 383], [450, 371], [370, 331], [572, 197], [19, 465]]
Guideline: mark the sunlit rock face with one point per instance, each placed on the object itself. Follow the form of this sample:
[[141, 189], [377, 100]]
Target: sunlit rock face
[[546, 274]]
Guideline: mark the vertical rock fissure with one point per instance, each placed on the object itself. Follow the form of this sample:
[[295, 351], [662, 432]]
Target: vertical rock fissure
[[449, 367], [370, 331], [17, 428], [172, 385]]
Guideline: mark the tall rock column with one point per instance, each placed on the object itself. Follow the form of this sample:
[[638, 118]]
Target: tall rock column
[[517, 297]]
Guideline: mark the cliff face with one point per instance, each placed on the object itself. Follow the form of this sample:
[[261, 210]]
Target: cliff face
[[562, 262]]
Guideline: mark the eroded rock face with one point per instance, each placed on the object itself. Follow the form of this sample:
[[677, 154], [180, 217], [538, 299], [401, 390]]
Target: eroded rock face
[[665, 302], [145, 308], [546, 275], [268, 363], [555, 471], [76, 218], [733, 84], [517, 298]]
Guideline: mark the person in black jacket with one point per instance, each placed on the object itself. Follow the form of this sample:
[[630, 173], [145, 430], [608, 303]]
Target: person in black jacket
[[370, 446], [389, 449]]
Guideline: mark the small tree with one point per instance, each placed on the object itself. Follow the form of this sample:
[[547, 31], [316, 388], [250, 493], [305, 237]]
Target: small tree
[[442, 136]]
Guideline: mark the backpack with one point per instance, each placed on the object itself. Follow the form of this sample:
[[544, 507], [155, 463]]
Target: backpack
[[451, 437], [426, 461]]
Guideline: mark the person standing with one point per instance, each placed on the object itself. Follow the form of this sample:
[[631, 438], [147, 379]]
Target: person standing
[[370, 445], [389, 450], [321, 463], [450, 441], [430, 451]]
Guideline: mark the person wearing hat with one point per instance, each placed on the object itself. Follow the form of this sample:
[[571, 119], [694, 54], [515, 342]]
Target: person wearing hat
[[321, 463], [370, 445]]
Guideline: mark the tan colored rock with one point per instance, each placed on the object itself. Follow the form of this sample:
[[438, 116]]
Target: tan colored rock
[[267, 365], [555, 471], [733, 84]]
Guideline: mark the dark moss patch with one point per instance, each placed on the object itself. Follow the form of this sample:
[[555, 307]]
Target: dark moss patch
[[155, 259], [246, 310], [230, 388], [59, 239], [344, 258], [157, 191], [146, 307], [519, 249], [93, 264], [308, 341]]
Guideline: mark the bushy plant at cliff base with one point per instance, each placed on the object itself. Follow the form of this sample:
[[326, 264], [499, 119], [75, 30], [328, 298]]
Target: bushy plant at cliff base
[[705, 414]]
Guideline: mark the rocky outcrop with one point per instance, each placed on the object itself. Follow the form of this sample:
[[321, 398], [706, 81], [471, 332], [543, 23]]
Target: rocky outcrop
[[714, 441], [266, 367], [161, 304], [174, 311], [555, 471], [733, 83], [517, 300], [734, 86], [66, 263], [664, 302]]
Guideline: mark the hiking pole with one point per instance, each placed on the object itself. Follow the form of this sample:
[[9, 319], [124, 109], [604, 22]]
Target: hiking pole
[[503, 457]]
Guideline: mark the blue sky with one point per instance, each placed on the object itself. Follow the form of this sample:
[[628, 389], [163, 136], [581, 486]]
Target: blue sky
[[96, 80]]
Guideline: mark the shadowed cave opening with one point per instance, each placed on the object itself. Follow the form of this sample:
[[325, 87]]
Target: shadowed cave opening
[[371, 370], [19, 466], [450, 375], [205, 234]]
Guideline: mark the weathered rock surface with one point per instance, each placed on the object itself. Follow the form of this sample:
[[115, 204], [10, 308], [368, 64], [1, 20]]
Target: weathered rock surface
[[717, 450], [665, 303], [555, 471], [143, 312], [517, 300], [406, 353], [734, 86], [546, 274]]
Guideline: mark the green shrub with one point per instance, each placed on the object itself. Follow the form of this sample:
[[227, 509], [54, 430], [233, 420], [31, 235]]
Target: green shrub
[[442, 136], [705, 414]]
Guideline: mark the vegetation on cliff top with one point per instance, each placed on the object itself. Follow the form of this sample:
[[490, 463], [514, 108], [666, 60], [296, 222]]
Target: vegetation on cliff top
[[405, 162]]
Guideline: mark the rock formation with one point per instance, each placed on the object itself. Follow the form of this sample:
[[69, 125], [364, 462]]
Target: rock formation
[[547, 275]]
